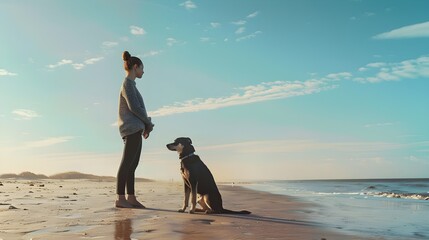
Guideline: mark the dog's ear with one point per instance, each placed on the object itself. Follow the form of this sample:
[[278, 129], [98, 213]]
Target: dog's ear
[[187, 143]]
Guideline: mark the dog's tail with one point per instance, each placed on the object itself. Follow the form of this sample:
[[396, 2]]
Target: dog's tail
[[226, 211]]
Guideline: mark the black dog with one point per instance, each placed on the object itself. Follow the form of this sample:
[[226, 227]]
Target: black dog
[[198, 179]]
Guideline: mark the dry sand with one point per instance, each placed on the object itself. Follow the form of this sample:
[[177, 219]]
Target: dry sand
[[84, 209]]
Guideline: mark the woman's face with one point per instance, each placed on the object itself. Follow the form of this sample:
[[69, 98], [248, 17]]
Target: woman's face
[[139, 71]]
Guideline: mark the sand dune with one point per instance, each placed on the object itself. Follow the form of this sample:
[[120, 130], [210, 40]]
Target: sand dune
[[78, 175], [24, 175]]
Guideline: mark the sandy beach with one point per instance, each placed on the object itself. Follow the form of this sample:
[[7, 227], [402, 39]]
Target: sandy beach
[[84, 209]]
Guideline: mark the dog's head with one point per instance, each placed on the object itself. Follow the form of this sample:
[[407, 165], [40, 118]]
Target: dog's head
[[182, 145]]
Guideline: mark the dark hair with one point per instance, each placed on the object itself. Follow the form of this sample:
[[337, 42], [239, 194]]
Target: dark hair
[[130, 61]]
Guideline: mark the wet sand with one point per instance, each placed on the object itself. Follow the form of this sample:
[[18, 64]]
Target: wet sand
[[84, 209]]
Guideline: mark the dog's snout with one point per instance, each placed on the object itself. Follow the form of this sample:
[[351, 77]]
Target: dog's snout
[[171, 147]]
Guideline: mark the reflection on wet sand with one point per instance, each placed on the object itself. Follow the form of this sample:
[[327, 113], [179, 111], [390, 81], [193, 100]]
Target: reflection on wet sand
[[123, 229]]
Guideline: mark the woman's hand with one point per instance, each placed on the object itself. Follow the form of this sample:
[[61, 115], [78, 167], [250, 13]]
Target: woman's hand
[[147, 131]]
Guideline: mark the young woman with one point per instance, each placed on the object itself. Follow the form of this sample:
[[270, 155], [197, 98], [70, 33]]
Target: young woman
[[133, 123]]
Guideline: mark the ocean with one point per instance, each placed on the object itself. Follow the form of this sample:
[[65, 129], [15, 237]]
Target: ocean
[[387, 208]]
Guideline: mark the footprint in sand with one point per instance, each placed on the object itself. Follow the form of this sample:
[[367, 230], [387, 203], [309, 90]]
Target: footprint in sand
[[204, 221]]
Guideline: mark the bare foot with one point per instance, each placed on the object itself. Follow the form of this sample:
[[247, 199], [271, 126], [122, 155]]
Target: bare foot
[[132, 200]]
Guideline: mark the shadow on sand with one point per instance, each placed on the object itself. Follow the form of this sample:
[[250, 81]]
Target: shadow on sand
[[251, 217]]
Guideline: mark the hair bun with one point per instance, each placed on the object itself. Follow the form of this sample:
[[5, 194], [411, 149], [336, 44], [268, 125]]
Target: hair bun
[[130, 61], [126, 56]]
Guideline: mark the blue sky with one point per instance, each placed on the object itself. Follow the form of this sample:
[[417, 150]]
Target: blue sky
[[266, 89]]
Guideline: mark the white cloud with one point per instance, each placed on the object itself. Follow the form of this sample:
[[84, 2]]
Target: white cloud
[[284, 89], [215, 24], [340, 76], [240, 22], [4, 72], [376, 64], [411, 31], [109, 44], [384, 76], [76, 66], [25, 114], [60, 63], [204, 39], [249, 94], [48, 142], [240, 30], [409, 69], [171, 41], [152, 53], [252, 15], [188, 5], [135, 30], [253, 35], [93, 60]]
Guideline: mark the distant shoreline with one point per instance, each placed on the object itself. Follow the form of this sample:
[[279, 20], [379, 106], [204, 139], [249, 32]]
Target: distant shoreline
[[63, 176]]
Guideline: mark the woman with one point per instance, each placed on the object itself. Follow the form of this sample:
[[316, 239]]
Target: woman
[[133, 122]]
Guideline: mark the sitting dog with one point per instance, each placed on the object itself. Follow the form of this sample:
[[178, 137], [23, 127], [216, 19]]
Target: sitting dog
[[198, 179]]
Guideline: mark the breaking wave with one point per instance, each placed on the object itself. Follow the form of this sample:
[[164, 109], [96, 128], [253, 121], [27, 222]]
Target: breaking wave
[[415, 196]]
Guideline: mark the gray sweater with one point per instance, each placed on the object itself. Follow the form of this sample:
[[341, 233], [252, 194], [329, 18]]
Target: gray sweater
[[132, 112]]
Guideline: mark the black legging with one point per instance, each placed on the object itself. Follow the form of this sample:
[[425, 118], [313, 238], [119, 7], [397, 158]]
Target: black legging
[[130, 160]]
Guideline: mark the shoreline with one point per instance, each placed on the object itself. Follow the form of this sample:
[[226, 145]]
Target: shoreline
[[84, 209]]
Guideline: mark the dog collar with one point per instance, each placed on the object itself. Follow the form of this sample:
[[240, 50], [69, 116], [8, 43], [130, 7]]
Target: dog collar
[[183, 158]]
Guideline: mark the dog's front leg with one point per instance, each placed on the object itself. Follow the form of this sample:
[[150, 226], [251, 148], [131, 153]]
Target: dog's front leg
[[186, 199], [194, 185]]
